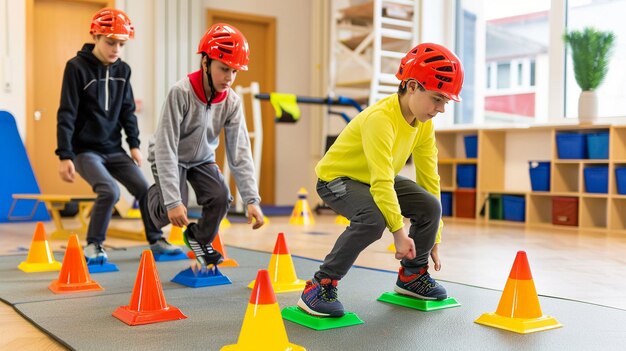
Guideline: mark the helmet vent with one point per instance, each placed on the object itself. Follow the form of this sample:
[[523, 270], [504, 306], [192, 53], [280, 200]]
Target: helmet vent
[[427, 50], [223, 49], [445, 69], [443, 78], [435, 58]]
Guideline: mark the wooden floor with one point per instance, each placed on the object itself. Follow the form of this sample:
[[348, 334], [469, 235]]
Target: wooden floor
[[588, 267]]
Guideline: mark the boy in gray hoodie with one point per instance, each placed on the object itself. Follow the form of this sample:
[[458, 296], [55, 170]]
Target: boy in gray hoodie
[[182, 150]]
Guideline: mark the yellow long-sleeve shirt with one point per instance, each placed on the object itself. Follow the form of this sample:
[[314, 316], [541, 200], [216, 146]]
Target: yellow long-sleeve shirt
[[374, 147]]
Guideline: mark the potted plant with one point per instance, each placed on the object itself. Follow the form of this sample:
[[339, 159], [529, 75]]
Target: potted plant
[[591, 50]]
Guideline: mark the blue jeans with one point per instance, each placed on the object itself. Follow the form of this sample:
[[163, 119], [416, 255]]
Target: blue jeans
[[354, 201], [101, 172]]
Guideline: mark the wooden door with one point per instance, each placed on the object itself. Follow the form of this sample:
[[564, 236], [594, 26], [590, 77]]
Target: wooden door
[[56, 30], [261, 35]]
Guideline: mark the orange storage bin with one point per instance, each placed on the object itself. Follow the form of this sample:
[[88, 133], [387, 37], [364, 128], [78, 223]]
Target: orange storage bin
[[565, 211], [465, 203]]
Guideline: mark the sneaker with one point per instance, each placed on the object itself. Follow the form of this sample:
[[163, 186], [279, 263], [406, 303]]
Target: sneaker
[[205, 254], [163, 247], [319, 298], [95, 254], [419, 285]]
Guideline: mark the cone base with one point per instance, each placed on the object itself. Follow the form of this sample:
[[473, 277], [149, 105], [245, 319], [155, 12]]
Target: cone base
[[301, 221], [236, 347], [165, 258], [131, 317], [518, 325], [102, 268], [297, 285], [229, 262], [62, 288], [297, 315], [418, 304], [200, 279], [39, 267]]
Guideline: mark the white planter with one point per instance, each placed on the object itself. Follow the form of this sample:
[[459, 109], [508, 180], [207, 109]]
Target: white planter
[[588, 107]]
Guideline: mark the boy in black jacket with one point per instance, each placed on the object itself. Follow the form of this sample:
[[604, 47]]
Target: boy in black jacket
[[96, 104]]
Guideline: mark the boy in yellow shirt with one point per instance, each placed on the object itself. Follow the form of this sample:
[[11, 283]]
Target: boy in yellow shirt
[[358, 178]]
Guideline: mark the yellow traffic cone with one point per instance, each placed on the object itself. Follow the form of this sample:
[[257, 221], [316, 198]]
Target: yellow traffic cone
[[391, 247], [301, 214], [519, 309], [263, 327], [341, 220], [39, 257], [281, 269], [225, 223], [176, 236]]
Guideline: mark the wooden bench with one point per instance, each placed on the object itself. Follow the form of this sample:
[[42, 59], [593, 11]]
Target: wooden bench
[[55, 203]]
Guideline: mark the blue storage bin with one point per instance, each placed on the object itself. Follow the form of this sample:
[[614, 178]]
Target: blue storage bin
[[598, 145], [620, 178], [446, 203], [466, 176], [597, 179], [514, 208], [571, 146], [539, 175], [471, 146]]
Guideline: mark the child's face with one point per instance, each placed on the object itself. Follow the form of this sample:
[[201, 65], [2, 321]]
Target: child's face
[[223, 75], [425, 105], [108, 50]]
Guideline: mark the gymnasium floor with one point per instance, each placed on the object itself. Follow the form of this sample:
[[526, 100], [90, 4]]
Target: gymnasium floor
[[567, 264]]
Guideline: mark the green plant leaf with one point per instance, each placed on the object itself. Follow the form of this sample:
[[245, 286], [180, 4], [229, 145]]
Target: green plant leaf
[[591, 50]]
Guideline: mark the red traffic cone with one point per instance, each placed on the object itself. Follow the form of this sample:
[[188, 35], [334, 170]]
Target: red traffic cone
[[147, 302], [263, 327], [74, 275]]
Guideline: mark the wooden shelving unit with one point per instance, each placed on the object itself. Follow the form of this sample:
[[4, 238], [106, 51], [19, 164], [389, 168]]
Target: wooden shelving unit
[[503, 169]]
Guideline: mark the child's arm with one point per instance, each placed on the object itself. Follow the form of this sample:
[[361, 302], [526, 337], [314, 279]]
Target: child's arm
[[68, 110]]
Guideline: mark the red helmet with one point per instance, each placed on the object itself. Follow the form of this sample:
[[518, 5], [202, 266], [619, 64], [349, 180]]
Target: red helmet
[[227, 44], [112, 23], [435, 68]]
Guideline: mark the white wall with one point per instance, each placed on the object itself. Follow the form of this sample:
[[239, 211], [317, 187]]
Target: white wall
[[12, 61]]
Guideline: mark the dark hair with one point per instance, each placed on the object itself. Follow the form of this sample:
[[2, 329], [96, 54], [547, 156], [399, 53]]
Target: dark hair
[[402, 87]]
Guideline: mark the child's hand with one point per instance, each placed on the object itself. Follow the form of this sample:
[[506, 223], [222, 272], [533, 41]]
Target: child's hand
[[254, 212], [67, 171], [135, 153], [405, 246], [434, 254], [178, 216]]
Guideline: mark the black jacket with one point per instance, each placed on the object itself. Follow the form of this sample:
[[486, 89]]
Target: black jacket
[[96, 104]]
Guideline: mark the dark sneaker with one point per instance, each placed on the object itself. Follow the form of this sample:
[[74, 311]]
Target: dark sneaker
[[95, 254], [319, 298], [205, 254], [163, 247], [419, 285]]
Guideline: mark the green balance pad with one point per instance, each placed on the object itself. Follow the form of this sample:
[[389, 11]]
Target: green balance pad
[[418, 304], [297, 315]]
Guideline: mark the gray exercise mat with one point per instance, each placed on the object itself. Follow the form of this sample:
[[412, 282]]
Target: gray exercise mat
[[215, 314]]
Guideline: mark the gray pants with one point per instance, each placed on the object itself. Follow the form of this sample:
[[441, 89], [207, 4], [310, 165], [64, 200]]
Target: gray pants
[[101, 172], [354, 201], [212, 194]]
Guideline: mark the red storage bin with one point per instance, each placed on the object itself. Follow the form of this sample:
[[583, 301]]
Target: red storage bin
[[565, 211], [465, 203]]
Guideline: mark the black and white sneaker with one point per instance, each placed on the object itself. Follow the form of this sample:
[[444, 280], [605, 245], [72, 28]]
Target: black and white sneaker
[[95, 254], [205, 254]]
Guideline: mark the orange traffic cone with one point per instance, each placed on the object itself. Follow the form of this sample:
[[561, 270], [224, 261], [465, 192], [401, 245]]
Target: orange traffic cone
[[519, 309], [39, 257], [217, 245], [147, 302], [263, 327], [176, 236], [74, 275], [301, 214], [281, 269]]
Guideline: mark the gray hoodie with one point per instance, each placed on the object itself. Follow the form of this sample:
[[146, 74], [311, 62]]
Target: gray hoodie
[[188, 135]]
